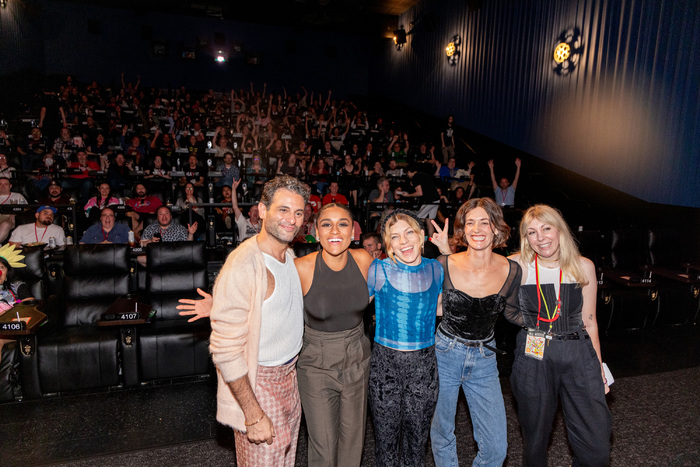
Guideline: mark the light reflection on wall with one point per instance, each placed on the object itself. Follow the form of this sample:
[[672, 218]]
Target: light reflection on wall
[[610, 134]]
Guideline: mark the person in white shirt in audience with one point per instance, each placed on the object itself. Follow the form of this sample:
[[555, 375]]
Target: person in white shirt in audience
[[7, 221], [39, 231]]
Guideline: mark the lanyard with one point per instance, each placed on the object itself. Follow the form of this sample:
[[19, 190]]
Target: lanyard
[[36, 233], [104, 234], [540, 298], [8, 197]]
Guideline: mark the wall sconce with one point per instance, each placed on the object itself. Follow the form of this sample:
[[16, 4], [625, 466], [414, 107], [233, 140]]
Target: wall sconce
[[221, 56], [452, 50], [399, 38], [567, 51], [3, 3]]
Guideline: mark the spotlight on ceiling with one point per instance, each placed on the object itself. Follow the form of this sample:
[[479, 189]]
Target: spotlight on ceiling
[[221, 56]]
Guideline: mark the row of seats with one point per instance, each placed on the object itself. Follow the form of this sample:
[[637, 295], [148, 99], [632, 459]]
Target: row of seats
[[72, 352], [644, 279]]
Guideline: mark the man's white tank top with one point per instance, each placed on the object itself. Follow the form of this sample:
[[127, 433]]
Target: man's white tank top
[[282, 323]]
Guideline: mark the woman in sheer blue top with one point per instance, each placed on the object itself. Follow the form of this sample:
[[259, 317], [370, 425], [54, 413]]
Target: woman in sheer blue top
[[403, 382]]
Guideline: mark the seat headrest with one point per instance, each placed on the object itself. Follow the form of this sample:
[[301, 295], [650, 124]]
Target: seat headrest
[[96, 260], [167, 256]]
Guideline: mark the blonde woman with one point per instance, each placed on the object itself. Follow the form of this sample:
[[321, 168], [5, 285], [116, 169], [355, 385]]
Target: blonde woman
[[558, 353], [403, 382]]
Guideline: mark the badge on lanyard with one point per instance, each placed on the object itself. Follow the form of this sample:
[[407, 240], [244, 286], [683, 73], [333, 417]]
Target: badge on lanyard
[[534, 345]]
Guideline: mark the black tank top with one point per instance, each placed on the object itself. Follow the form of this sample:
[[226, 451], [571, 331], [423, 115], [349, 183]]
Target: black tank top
[[336, 300]]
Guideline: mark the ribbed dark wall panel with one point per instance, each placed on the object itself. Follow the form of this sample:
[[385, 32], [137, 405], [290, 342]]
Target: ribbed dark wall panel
[[627, 116]]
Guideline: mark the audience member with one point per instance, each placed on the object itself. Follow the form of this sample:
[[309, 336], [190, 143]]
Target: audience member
[[372, 243], [165, 230], [81, 181], [7, 221], [142, 206], [103, 199], [333, 196], [447, 138], [34, 150], [503, 190], [423, 189], [229, 171], [107, 230], [55, 195], [39, 231], [247, 227]]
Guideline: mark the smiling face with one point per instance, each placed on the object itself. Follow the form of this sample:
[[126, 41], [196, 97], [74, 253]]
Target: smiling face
[[107, 218], [164, 217], [478, 231], [543, 239], [405, 243], [284, 217], [334, 227], [104, 190]]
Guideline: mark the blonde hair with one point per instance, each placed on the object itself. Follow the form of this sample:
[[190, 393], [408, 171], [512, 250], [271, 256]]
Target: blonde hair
[[392, 219], [569, 256]]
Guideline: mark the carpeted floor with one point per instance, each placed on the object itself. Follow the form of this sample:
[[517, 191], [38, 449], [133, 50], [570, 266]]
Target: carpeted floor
[[655, 418]]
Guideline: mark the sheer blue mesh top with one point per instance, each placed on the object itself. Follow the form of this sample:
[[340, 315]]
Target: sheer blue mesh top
[[405, 302]]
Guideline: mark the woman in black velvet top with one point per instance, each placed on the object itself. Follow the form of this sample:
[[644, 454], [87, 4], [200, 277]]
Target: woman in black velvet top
[[479, 285]]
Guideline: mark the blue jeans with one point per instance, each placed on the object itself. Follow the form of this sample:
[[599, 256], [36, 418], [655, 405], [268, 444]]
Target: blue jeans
[[474, 370]]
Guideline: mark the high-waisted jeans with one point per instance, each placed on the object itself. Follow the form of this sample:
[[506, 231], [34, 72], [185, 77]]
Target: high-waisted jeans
[[470, 366]]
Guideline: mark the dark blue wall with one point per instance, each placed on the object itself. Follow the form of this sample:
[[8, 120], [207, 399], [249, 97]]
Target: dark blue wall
[[53, 37], [627, 116]]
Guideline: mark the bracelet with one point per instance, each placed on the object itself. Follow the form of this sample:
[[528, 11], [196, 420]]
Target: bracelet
[[255, 422]]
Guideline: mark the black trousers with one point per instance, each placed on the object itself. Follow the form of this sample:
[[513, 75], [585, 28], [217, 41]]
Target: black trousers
[[403, 391], [570, 372]]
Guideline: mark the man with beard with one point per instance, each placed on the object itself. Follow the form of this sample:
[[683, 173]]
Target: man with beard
[[142, 206], [39, 231], [165, 230], [56, 195], [106, 230], [257, 325]]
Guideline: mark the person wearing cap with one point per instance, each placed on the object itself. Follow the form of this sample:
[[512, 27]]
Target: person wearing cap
[[106, 230], [39, 231], [55, 195]]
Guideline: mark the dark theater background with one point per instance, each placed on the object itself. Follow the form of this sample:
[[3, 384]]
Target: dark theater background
[[599, 98]]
